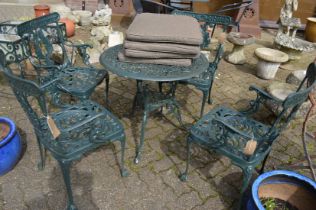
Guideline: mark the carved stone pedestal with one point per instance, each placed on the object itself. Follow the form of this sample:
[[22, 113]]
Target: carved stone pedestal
[[239, 40]]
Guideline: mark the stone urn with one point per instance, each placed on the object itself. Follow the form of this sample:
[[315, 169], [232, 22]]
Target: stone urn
[[10, 145], [281, 90], [269, 62], [310, 30]]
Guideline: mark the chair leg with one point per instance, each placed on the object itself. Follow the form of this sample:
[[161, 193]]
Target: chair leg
[[141, 142], [65, 168], [247, 174], [209, 100], [124, 172], [184, 176], [263, 164], [205, 93], [160, 86], [42, 150], [160, 91], [107, 81], [178, 114]]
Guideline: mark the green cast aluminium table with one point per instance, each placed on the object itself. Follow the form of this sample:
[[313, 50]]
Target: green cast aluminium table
[[152, 100]]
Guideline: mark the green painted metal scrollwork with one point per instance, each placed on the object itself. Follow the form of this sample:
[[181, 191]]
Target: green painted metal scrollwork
[[41, 34], [83, 126], [228, 131], [209, 23]]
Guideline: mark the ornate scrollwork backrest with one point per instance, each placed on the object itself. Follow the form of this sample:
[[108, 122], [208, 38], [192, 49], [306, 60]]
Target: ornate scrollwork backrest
[[23, 90], [208, 23], [41, 36], [293, 102]]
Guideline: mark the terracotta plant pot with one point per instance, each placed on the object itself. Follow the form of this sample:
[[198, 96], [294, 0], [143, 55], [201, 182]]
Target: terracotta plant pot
[[70, 26], [41, 10], [310, 30]]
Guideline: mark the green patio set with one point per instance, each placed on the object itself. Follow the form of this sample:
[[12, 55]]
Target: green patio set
[[69, 124]]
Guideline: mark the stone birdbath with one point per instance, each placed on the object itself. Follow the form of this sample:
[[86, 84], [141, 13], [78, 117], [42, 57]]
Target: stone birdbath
[[239, 40], [281, 90], [269, 62]]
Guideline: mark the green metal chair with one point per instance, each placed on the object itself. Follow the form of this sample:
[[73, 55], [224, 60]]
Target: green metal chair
[[204, 81], [40, 37], [83, 127], [228, 131]]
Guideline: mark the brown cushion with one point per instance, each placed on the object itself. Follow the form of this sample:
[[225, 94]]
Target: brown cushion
[[162, 47], [171, 62], [150, 54], [150, 27]]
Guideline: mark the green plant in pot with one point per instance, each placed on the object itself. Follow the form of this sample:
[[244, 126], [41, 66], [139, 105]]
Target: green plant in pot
[[282, 190]]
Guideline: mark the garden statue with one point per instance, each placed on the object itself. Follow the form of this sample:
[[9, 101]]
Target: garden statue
[[102, 17], [285, 39], [99, 33], [287, 22]]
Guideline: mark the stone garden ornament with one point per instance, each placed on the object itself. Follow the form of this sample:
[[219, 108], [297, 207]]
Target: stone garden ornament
[[288, 25], [287, 22]]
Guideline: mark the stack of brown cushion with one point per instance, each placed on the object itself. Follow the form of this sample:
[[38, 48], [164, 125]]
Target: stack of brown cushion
[[162, 39]]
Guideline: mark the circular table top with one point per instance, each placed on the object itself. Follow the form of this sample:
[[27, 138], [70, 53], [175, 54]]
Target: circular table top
[[271, 55], [151, 72]]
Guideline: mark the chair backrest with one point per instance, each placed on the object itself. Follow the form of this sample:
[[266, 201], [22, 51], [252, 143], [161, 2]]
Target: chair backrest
[[209, 23], [180, 4], [151, 6], [293, 102], [240, 6], [25, 91], [39, 34]]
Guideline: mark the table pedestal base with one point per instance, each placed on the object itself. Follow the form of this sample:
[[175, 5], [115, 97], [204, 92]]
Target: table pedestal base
[[150, 101]]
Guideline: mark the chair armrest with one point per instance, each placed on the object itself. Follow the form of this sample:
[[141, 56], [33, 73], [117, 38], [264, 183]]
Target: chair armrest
[[232, 129], [36, 63], [50, 84], [263, 93], [262, 96], [82, 49], [82, 123]]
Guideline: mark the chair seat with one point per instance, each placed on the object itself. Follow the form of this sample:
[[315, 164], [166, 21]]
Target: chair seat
[[207, 132], [80, 81], [75, 123]]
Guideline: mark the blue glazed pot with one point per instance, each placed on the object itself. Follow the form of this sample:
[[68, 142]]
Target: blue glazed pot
[[10, 147], [292, 187]]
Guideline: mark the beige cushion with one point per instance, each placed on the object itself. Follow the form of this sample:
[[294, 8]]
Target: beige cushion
[[150, 27], [162, 47], [171, 62], [149, 54]]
